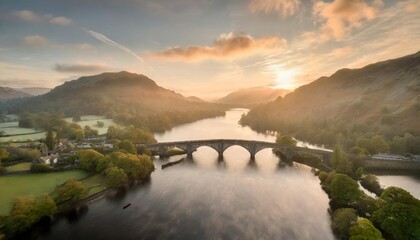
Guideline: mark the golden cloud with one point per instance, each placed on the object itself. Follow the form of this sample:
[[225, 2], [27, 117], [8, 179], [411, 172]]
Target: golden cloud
[[341, 16], [225, 46], [283, 7]]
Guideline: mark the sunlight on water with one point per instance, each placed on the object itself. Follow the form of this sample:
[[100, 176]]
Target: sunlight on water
[[204, 198]]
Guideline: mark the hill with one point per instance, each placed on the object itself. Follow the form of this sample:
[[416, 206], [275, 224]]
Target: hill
[[195, 99], [128, 98], [378, 99], [252, 96], [10, 93], [34, 91]]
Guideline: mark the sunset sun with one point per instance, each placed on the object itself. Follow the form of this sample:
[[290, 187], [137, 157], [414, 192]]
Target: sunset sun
[[210, 119], [285, 78]]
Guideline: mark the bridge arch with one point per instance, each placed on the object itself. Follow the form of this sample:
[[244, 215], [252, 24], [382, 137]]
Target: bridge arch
[[247, 148], [287, 153]]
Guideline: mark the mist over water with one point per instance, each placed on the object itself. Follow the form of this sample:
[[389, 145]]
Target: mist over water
[[206, 199]]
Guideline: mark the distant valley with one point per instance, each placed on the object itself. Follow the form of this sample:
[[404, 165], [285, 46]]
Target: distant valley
[[34, 91], [10, 93], [253, 96], [128, 98]]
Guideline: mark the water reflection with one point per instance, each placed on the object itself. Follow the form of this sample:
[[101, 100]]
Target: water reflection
[[203, 198], [409, 182]]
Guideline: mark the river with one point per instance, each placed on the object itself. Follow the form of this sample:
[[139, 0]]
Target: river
[[205, 199]]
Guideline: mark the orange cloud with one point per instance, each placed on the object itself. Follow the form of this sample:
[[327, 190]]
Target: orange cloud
[[225, 46], [283, 7], [412, 6], [35, 41], [341, 16]]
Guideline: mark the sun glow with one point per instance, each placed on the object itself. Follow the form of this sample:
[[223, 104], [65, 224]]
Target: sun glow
[[285, 78]]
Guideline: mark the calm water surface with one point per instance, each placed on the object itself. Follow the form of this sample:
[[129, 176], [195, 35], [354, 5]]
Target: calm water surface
[[204, 199]]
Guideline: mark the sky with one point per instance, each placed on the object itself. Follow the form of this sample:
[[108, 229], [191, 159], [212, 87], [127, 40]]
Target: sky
[[205, 48]]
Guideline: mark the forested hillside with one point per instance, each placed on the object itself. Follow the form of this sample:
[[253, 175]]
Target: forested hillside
[[376, 107]]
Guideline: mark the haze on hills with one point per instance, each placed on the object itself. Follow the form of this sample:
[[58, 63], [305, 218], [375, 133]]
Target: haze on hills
[[381, 98], [34, 91], [128, 98], [10, 93], [252, 96]]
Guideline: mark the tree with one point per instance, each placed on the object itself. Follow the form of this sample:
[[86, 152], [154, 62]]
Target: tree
[[398, 214], [364, 230], [115, 176], [359, 151], [89, 159], [286, 140], [127, 146], [40, 168], [50, 140], [77, 118], [365, 143], [340, 163], [398, 145], [26, 211], [344, 190], [26, 120], [100, 124], [371, 183], [3, 154], [102, 164], [135, 166], [342, 220], [71, 190], [89, 132], [379, 144]]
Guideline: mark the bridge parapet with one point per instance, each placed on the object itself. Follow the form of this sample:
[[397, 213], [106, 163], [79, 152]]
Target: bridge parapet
[[253, 147]]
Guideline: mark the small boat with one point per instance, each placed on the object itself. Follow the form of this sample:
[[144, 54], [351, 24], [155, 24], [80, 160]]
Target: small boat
[[126, 206]]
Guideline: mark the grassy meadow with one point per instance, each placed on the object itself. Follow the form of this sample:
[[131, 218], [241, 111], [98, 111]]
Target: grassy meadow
[[19, 167], [32, 185], [92, 120]]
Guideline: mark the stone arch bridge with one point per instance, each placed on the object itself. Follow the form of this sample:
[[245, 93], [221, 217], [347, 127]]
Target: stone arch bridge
[[253, 147]]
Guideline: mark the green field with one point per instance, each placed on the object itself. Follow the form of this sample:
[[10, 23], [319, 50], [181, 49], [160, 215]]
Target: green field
[[23, 138], [92, 120], [30, 134], [22, 134], [95, 183], [18, 130], [9, 124], [32, 185], [19, 167]]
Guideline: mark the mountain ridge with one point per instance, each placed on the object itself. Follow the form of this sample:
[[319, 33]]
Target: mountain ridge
[[7, 93], [117, 89], [383, 98], [252, 96]]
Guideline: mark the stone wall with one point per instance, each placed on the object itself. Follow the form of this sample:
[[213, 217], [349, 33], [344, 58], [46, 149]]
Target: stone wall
[[376, 164]]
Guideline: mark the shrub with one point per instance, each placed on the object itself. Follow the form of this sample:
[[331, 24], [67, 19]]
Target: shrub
[[40, 168], [364, 230], [398, 214], [342, 220], [71, 190], [371, 183], [27, 211], [115, 176], [89, 159]]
